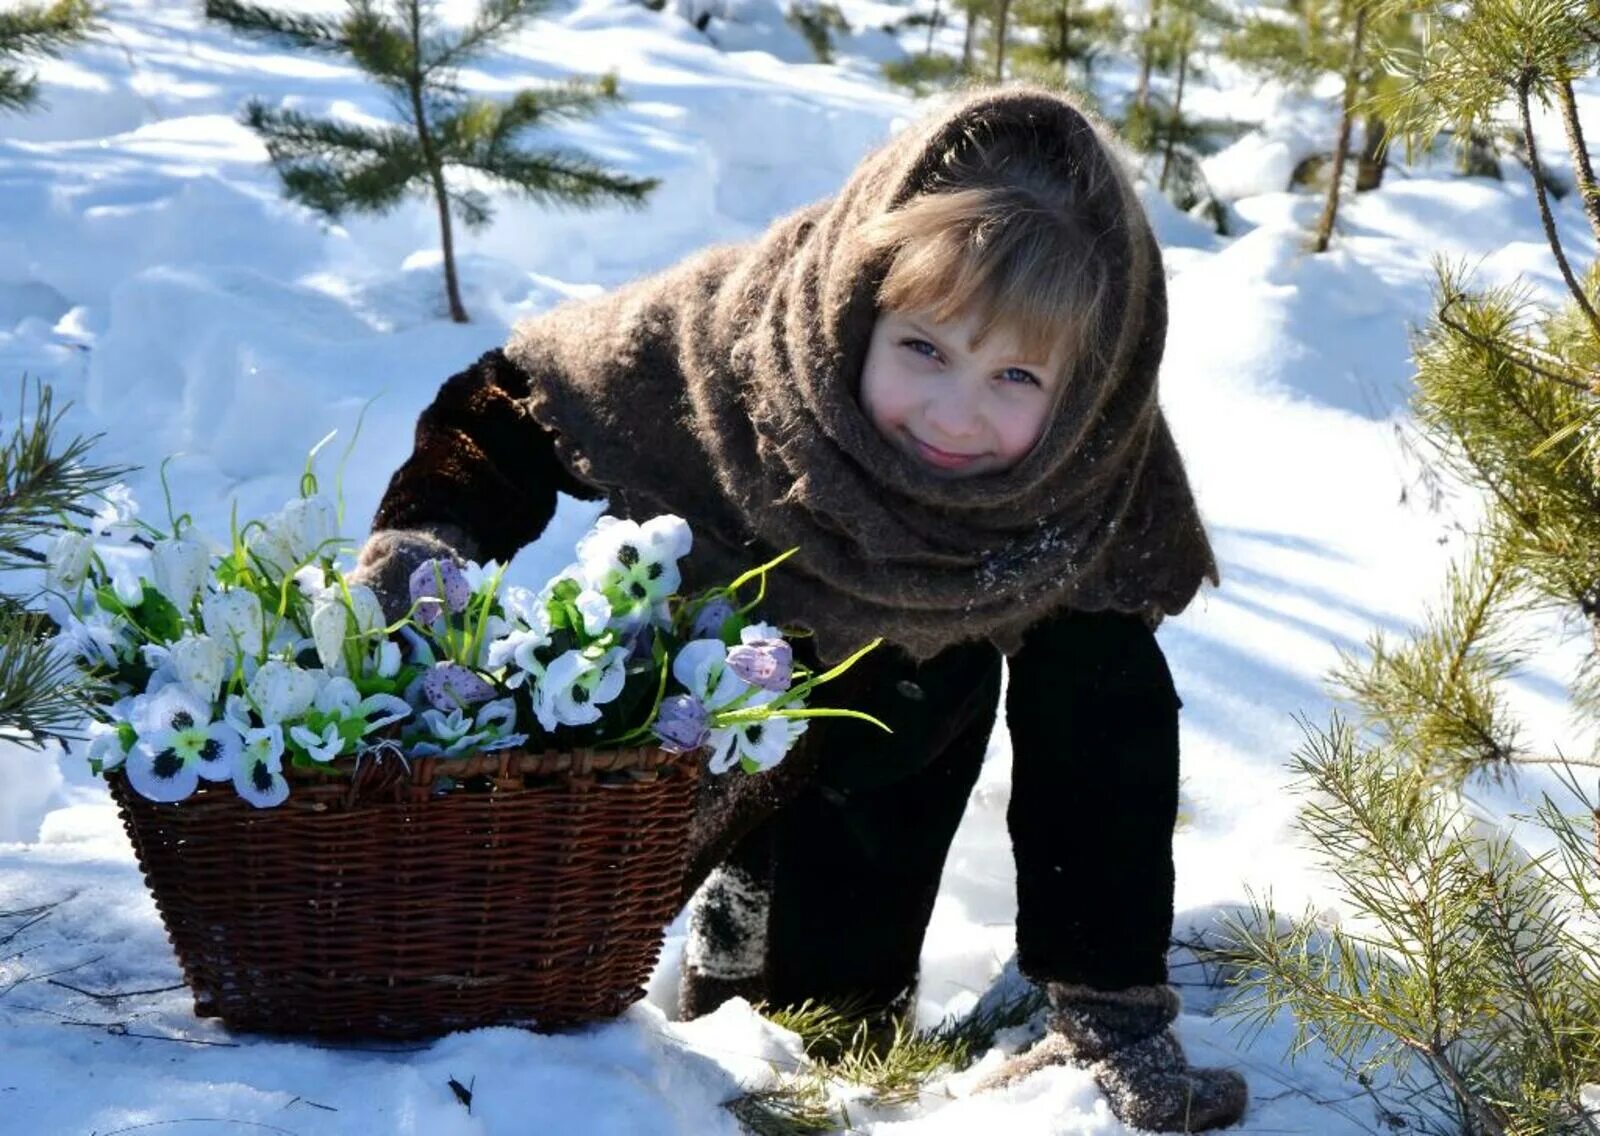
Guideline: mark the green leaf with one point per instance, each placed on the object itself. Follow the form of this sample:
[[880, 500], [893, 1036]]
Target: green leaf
[[159, 617]]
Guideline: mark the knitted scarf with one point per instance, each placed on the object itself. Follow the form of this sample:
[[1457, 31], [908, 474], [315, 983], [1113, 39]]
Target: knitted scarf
[[724, 390]]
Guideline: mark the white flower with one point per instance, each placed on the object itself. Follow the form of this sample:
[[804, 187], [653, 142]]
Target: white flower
[[453, 729], [200, 663], [516, 652], [181, 567], [118, 511], [258, 772], [496, 721], [99, 638], [575, 687], [385, 661], [308, 526], [368, 611], [67, 560], [330, 623], [236, 712], [702, 667], [595, 609], [281, 691], [310, 579], [525, 607], [323, 746], [234, 617], [763, 743], [178, 744], [340, 698], [635, 565], [337, 696], [105, 745]]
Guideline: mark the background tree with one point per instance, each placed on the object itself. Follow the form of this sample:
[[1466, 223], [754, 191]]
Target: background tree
[[1064, 34], [37, 29], [333, 166], [1304, 40], [1473, 957]]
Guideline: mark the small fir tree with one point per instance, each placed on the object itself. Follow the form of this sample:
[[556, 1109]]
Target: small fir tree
[[43, 695], [1064, 34], [333, 166], [37, 29], [1466, 953]]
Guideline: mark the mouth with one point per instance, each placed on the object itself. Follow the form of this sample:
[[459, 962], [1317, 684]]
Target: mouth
[[944, 459]]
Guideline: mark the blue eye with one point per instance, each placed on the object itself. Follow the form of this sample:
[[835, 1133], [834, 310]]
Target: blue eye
[[1018, 376], [918, 346]]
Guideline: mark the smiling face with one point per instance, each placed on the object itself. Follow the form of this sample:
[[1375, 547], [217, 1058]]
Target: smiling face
[[959, 408]]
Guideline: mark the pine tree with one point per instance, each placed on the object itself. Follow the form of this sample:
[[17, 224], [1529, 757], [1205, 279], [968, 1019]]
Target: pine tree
[[333, 166], [1064, 34], [1306, 39], [1467, 954], [42, 480], [37, 29]]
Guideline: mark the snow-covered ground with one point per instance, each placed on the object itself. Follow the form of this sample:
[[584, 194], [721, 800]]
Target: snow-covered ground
[[151, 271]]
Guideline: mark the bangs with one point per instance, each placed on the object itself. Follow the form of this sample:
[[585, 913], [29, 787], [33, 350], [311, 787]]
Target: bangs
[[997, 253]]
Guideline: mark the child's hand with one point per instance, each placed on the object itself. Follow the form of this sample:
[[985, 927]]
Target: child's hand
[[390, 556]]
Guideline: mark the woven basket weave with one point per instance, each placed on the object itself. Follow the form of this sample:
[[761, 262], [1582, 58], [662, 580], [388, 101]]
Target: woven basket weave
[[533, 893]]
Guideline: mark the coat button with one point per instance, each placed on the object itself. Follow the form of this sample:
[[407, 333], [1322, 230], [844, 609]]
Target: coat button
[[910, 690]]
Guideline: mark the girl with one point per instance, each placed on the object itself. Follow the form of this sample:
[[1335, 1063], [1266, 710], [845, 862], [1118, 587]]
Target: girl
[[941, 386]]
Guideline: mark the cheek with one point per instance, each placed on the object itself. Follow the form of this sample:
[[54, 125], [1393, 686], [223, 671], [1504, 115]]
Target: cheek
[[1018, 426], [883, 395]]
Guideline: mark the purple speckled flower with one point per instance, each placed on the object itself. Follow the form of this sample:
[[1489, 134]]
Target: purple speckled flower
[[682, 724], [708, 620], [767, 663], [451, 686], [425, 587]]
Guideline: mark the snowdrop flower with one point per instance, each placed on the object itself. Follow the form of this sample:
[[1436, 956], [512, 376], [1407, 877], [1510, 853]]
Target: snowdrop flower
[[320, 745], [234, 617], [330, 623], [67, 560], [701, 666], [258, 773], [709, 619], [435, 580], [576, 686], [681, 724], [181, 566], [385, 659], [117, 512], [311, 580], [281, 691], [763, 744], [307, 526], [200, 663], [448, 686], [763, 658], [105, 745], [178, 744], [636, 566]]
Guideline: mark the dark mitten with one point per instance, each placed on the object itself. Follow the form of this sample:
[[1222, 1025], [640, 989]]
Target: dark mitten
[[1122, 1037], [726, 952], [390, 556]]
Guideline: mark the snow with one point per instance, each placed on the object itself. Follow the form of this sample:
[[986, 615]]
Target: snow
[[150, 270]]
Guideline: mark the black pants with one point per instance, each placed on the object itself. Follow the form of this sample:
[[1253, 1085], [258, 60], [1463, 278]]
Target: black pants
[[854, 861]]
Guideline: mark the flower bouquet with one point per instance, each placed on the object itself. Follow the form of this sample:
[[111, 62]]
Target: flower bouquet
[[474, 814]]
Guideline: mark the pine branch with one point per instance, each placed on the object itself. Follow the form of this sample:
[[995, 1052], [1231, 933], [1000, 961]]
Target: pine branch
[[287, 29], [17, 91], [43, 693], [336, 166], [34, 29], [1523, 94], [1588, 192], [564, 177], [495, 20]]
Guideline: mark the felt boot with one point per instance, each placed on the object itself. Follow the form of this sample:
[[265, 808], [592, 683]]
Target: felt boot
[[1122, 1037]]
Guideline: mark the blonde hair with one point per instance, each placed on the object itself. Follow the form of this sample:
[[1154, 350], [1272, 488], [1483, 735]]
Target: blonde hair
[[1000, 233]]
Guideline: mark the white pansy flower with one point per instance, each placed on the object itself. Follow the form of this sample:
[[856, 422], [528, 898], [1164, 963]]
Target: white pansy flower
[[234, 617], [340, 698], [178, 744], [526, 607], [281, 691], [763, 743], [181, 567], [575, 686], [702, 667], [517, 653], [449, 734], [200, 663], [67, 560], [595, 610], [495, 722], [635, 565], [98, 638], [258, 773], [337, 696]]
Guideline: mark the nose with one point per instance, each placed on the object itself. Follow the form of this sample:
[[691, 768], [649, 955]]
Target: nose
[[952, 414]]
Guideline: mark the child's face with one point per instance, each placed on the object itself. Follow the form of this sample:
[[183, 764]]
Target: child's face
[[960, 410]]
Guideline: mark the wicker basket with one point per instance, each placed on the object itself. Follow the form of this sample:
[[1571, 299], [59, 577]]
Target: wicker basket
[[533, 893]]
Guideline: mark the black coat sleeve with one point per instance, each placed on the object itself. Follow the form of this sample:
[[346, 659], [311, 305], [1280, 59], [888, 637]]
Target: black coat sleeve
[[481, 462], [1093, 717]]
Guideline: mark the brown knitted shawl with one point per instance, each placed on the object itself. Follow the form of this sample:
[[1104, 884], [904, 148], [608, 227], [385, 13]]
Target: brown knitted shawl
[[724, 390]]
